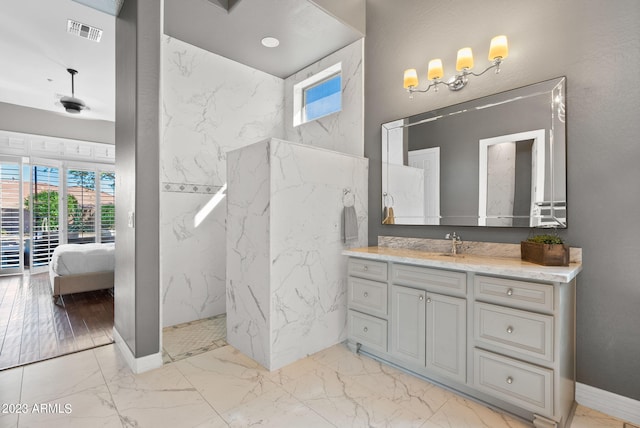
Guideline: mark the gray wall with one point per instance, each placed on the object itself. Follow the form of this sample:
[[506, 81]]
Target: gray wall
[[594, 43], [137, 289], [42, 122]]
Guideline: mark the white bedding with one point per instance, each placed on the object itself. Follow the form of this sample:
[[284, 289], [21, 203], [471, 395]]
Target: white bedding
[[71, 259]]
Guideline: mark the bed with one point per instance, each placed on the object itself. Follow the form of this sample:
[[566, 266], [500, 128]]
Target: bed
[[75, 268]]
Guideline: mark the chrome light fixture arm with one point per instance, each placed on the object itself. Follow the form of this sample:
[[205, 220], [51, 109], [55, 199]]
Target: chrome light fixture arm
[[458, 81]]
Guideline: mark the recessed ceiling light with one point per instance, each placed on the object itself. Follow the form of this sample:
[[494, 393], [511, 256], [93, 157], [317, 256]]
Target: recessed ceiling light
[[270, 42]]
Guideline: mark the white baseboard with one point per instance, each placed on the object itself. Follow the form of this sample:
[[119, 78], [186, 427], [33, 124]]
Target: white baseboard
[[137, 365], [607, 402]]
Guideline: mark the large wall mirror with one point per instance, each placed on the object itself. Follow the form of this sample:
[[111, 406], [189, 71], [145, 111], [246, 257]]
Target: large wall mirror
[[494, 161]]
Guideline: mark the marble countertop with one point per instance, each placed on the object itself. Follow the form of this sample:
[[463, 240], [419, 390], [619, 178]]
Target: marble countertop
[[512, 267]]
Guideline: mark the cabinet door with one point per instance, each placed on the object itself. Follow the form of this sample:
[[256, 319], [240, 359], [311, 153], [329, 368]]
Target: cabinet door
[[447, 336], [408, 324]]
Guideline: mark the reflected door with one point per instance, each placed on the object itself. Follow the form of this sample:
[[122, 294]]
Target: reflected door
[[429, 161]]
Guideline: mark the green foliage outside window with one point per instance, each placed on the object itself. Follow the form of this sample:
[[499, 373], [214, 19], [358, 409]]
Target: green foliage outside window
[[46, 213]]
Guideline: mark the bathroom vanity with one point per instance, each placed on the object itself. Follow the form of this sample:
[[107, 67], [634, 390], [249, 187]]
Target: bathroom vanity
[[497, 329]]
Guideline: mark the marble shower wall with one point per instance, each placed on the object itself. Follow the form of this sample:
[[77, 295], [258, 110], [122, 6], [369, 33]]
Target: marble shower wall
[[343, 131], [210, 105], [287, 289]]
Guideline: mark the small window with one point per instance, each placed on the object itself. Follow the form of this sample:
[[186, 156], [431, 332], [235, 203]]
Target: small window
[[318, 96]]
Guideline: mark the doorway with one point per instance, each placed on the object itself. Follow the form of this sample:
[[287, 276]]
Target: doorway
[[45, 203]]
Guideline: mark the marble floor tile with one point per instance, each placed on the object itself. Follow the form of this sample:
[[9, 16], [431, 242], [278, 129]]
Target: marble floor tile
[[345, 403], [9, 421], [222, 388], [341, 359], [293, 371], [225, 377], [10, 389], [161, 397], [459, 412], [585, 417], [112, 363], [60, 377], [408, 391], [91, 407], [412, 393], [276, 408], [11, 381]]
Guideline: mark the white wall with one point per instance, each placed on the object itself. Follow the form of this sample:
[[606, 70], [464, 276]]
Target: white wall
[[287, 286], [210, 105], [343, 131]]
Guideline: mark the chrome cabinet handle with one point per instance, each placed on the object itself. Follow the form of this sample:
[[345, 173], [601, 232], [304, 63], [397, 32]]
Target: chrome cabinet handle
[[421, 297], [428, 299], [365, 329], [365, 267], [366, 294], [510, 292], [509, 329], [509, 380]]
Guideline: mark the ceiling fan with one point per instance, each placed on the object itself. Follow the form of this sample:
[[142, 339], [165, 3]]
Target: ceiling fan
[[72, 104]]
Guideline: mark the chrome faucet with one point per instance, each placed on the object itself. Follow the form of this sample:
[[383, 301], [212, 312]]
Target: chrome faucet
[[455, 241]]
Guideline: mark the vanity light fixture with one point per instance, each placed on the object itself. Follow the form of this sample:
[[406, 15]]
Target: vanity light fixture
[[498, 51]]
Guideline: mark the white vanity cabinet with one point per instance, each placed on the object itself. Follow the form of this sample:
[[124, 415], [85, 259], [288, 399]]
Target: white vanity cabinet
[[504, 335], [524, 345], [367, 294], [428, 329]]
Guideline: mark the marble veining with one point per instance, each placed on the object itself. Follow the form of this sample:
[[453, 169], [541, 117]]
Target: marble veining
[[342, 131], [511, 267], [286, 292], [222, 388], [210, 105], [488, 249]]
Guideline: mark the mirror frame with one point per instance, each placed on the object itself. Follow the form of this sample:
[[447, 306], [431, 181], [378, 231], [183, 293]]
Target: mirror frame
[[544, 213]]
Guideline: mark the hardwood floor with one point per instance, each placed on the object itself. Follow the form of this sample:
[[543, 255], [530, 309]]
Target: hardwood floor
[[33, 327]]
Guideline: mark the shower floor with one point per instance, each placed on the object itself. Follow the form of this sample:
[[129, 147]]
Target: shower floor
[[192, 338]]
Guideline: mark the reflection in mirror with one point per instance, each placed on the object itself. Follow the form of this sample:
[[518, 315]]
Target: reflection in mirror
[[495, 161]]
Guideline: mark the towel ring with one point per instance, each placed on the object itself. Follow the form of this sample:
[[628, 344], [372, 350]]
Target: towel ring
[[345, 198], [386, 195]]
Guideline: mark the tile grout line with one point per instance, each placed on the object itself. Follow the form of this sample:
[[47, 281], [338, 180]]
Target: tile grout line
[[106, 384], [198, 391]]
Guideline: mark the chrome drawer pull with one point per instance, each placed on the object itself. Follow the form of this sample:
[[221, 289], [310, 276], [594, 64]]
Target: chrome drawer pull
[[366, 294], [510, 292], [509, 380], [365, 329], [509, 329]]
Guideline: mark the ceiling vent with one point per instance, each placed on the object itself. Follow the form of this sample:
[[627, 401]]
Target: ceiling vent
[[83, 30]]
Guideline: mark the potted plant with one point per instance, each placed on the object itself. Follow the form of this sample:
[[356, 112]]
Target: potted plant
[[547, 250]]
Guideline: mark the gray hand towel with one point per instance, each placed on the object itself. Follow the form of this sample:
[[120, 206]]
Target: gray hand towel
[[349, 224]]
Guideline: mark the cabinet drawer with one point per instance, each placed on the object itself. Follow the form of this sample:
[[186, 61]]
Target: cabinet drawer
[[516, 382], [520, 294], [368, 330], [445, 281], [369, 269], [514, 330], [368, 296]]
